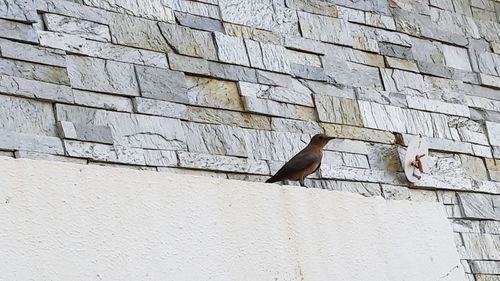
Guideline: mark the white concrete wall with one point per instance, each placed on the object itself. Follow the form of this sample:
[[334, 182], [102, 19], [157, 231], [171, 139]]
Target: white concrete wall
[[61, 221]]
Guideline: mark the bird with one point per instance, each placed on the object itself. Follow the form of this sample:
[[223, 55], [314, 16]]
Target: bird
[[304, 163]]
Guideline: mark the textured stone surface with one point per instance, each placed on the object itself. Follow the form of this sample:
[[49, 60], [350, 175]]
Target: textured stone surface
[[231, 49], [314, 7], [215, 139], [99, 100], [145, 34], [280, 94], [102, 76], [232, 118], [18, 31], [14, 50], [189, 42], [86, 29], [198, 22], [338, 110], [160, 108], [213, 93], [35, 89], [232, 72], [313, 26], [162, 84], [222, 163], [152, 10], [268, 107], [19, 141], [80, 45], [188, 64], [19, 10]]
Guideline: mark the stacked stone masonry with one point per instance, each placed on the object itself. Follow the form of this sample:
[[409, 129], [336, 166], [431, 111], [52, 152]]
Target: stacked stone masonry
[[232, 89]]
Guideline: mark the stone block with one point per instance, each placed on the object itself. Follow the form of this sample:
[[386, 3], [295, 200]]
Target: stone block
[[437, 106], [280, 94], [48, 157], [381, 21], [274, 79], [26, 52], [232, 72], [456, 57], [104, 152], [351, 15], [222, 163], [160, 108], [102, 76], [32, 71], [474, 167], [307, 59], [261, 14], [69, 25], [308, 72], [358, 133], [351, 74], [137, 32], [231, 49], [276, 146], [197, 22], [75, 10], [152, 10], [314, 7], [313, 27], [79, 45], [20, 141], [26, 116], [215, 139], [278, 109], [488, 63], [129, 130], [402, 64], [404, 82], [207, 10], [99, 100], [160, 158], [337, 110], [305, 44], [295, 126], [394, 50], [493, 130], [481, 246], [188, 64], [18, 10], [213, 93], [268, 56], [486, 267], [395, 192], [18, 31], [83, 132], [162, 84], [190, 42], [489, 80], [226, 117], [35, 89], [246, 32], [381, 97]]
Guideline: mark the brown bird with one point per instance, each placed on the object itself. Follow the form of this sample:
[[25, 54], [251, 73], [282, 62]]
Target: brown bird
[[306, 162]]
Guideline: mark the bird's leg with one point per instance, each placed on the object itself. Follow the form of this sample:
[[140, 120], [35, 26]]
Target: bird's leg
[[301, 181]]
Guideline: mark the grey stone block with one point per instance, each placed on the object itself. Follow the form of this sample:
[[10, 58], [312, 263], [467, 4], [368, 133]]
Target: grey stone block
[[20, 141], [48, 157], [394, 50], [199, 8], [35, 89], [129, 130], [32, 71], [18, 31], [231, 49], [188, 64], [79, 45], [69, 25], [222, 163], [102, 76], [313, 27], [232, 72], [314, 7], [214, 93], [190, 42], [152, 10], [278, 109], [279, 94], [486, 267], [92, 133], [160, 158], [481, 246], [308, 72], [99, 100], [160, 108], [67, 8], [351, 74], [295, 126], [15, 50], [26, 116], [489, 80], [337, 110], [226, 117], [215, 139], [162, 84], [18, 10], [197, 22], [260, 14], [137, 32], [104, 152]]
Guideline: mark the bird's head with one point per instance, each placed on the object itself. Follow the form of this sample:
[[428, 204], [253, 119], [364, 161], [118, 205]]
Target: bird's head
[[320, 140]]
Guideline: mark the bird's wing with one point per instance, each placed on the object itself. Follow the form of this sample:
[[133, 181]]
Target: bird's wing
[[298, 163]]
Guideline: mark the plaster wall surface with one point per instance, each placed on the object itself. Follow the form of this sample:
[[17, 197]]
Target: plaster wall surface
[[61, 221]]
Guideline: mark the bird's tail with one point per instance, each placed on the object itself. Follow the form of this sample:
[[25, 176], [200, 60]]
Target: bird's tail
[[271, 180]]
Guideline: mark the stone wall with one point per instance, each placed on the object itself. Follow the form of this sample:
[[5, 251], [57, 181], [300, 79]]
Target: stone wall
[[233, 88]]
